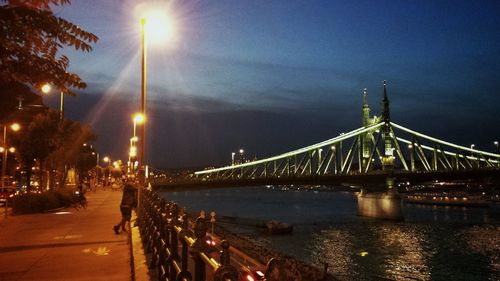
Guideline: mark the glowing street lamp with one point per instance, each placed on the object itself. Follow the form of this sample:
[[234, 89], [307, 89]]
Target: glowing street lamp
[[155, 26], [496, 145], [133, 151], [46, 90], [472, 148], [242, 152], [14, 127], [138, 118], [107, 160]]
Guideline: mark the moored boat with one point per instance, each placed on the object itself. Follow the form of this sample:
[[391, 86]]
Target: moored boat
[[446, 200], [276, 227]]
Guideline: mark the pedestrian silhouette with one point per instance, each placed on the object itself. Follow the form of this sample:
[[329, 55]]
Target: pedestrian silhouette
[[82, 200], [129, 202]]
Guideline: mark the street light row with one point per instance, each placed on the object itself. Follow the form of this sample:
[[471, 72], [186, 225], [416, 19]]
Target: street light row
[[495, 143], [14, 127], [137, 119]]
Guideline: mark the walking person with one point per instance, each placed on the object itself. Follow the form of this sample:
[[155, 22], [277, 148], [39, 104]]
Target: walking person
[[129, 202], [81, 199]]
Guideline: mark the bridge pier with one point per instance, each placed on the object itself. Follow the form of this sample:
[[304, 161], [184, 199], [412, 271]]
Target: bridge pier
[[381, 205]]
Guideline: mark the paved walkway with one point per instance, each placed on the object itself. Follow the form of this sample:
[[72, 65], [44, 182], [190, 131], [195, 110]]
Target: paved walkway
[[67, 245]]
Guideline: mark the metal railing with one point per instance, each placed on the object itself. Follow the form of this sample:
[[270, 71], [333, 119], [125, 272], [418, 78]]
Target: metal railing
[[178, 252]]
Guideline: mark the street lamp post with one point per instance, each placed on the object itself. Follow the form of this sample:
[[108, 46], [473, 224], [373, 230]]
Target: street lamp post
[[142, 177], [496, 146], [155, 25], [96, 179], [472, 154], [107, 159], [143, 96], [14, 127], [242, 155], [46, 89]]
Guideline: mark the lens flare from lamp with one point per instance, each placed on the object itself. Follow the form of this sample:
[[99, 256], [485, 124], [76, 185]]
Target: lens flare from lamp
[[158, 27]]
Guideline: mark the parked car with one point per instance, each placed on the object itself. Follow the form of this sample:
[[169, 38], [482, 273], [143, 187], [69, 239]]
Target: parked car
[[6, 193]]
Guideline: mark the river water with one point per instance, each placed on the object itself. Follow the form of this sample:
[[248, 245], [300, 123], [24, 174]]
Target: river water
[[432, 243]]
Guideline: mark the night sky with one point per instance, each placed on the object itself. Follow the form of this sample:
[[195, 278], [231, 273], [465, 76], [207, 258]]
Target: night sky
[[271, 76]]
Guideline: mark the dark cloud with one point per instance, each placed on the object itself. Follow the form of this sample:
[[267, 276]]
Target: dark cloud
[[195, 131]]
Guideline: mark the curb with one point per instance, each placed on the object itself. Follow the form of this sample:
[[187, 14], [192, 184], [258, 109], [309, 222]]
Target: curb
[[140, 270], [131, 249]]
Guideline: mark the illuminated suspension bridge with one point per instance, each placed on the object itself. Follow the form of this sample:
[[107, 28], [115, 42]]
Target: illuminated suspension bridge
[[380, 148]]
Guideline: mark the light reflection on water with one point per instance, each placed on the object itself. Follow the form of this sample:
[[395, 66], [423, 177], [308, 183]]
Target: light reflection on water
[[433, 243]]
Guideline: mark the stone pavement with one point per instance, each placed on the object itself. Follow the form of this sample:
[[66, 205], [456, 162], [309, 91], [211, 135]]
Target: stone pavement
[[69, 244]]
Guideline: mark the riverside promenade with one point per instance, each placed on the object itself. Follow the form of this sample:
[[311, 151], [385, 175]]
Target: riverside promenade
[[71, 244]]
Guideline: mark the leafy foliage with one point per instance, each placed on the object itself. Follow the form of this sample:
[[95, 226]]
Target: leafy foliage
[[39, 140], [40, 202], [47, 137], [71, 137], [30, 39]]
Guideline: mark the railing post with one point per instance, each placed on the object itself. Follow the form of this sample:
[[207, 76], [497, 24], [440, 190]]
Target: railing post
[[162, 258], [226, 271], [174, 242], [184, 255], [168, 245], [155, 235], [200, 231]]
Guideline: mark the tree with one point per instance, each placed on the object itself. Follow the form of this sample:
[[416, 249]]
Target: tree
[[38, 141], [72, 136], [52, 143], [31, 37]]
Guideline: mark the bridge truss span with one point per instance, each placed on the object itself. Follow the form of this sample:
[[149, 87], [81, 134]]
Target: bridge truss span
[[383, 147]]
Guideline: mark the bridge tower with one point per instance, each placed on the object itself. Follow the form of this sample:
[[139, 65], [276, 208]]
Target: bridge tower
[[388, 157], [366, 138]]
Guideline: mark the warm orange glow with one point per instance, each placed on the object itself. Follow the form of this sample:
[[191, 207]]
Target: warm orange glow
[[46, 88], [105, 159], [12, 149], [15, 127], [139, 118], [133, 151]]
